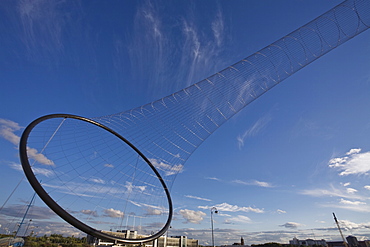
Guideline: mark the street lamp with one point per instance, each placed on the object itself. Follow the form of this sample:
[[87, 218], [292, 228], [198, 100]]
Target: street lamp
[[213, 209]]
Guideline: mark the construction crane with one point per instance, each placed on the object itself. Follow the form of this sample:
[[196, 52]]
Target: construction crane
[[340, 231]]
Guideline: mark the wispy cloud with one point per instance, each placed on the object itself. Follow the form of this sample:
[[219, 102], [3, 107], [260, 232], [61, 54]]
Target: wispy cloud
[[36, 170], [352, 205], [347, 198], [213, 178], [198, 198], [42, 24], [94, 189], [218, 27], [200, 51], [150, 209], [192, 216], [332, 191], [238, 219], [255, 129], [37, 212], [353, 163], [149, 44], [233, 208], [97, 180], [255, 183], [281, 211]]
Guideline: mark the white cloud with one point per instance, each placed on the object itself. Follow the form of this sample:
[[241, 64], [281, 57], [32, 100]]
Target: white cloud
[[232, 208], [352, 164], [7, 129], [89, 212], [42, 159], [343, 201], [97, 180], [131, 188], [351, 190], [367, 187], [254, 182], [354, 151], [109, 165], [346, 184], [198, 198], [168, 169], [238, 219], [254, 130], [153, 211], [113, 213], [291, 225], [349, 225], [36, 171], [192, 216], [281, 211]]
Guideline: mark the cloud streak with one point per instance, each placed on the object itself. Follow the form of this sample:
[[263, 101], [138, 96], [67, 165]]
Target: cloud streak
[[254, 130], [225, 207], [191, 58], [198, 198], [330, 192], [255, 183], [238, 219]]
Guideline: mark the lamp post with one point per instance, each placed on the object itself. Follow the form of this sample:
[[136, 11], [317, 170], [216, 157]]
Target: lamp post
[[213, 209]]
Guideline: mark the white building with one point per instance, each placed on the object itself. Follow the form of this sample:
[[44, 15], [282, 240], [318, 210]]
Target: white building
[[307, 242], [164, 241]]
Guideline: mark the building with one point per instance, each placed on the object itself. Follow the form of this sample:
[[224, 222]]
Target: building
[[164, 241], [307, 242], [173, 241], [241, 244], [352, 241], [335, 244]]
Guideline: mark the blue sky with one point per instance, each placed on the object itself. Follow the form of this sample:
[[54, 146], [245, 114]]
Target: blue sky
[[276, 170]]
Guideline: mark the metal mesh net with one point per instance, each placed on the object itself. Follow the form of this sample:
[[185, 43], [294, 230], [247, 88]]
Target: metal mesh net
[[104, 182]]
